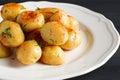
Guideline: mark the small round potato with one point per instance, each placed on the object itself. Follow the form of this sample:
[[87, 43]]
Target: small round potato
[[11, 34], [53, 55], [4, 51], [30, 20], [10, 11], [29, 52], [47, 12], [54, 33], [61, 17], [35, 35], [74, 40], [74, 24]]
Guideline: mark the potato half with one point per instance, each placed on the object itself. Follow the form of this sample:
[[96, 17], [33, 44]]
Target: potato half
[[11, 34], [54, 33], [10, 11], [29, 52], [53, 55], [30, 20]]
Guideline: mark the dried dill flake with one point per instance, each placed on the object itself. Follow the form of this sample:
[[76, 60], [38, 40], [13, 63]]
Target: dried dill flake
[[7, 33]]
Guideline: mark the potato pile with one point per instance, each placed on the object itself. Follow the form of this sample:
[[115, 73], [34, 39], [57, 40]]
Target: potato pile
[[39, 35]]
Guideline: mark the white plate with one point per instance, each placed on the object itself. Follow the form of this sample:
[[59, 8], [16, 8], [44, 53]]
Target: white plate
[[100, 41]]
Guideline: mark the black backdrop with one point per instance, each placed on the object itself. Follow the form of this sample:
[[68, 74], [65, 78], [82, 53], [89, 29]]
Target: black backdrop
[[111, 9]]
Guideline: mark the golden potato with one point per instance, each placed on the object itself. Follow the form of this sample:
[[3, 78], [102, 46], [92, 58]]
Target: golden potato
[[11, 34], [4, 51], [61, 17], [35, 35], [74, 24], [47, 32], [30, 20], [29, 52], [54, 33], [48, 12], [10, 11], [53, 55], [74, 40]]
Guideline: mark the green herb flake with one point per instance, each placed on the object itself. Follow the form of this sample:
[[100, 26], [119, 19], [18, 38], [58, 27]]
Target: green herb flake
[[16, 17], [24, 26], [40, 44], [53, 12], [32, 15], [23, 7], [7, 33], [35, 57], [53, 41], [58, 55], [6, 11]]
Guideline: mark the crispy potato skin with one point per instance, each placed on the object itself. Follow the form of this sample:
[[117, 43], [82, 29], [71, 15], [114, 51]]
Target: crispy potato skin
[[10, 11], [74, 40], [54, 33], [4, 51], [48, 12], [11, 34], [74, 24], [61, 17], [53, 55], [30, 20], [29, 52]]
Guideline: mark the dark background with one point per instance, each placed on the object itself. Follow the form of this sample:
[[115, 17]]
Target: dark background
[[110, 9]]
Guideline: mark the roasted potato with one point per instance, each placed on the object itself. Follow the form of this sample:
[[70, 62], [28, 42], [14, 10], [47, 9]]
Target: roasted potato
[[47, 12], [74, 24], [4, 51], [40, 35], [61, 17], [10, 11], [29, 52], [54, 33], [74, 40], [53, 55], [11, 34], [30, 20]]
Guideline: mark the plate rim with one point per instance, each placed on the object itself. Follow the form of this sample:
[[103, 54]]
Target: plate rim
[[112, 52]]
